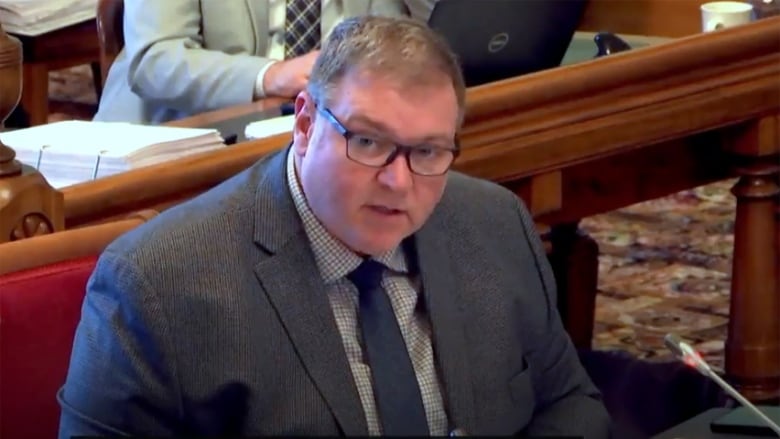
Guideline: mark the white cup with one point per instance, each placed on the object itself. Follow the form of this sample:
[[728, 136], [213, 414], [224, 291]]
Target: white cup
[[720, 15]]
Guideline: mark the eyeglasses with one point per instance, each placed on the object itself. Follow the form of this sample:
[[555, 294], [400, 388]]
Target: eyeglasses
[[426, 160]]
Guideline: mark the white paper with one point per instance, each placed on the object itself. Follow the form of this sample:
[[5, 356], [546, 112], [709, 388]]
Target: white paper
[[269, 127], [36, 17], [74, 151], [113, 139]]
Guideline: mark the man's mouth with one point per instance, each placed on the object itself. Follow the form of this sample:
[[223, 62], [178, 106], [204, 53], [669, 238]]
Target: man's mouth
[[384, 210]]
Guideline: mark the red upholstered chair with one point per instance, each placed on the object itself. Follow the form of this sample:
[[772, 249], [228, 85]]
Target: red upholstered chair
[[42, 285], [39, 310]]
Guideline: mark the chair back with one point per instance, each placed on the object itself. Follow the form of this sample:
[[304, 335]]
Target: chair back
[[42, 285], [110, 29]]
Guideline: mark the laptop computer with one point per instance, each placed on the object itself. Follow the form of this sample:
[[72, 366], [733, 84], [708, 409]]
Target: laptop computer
[[498, 39]]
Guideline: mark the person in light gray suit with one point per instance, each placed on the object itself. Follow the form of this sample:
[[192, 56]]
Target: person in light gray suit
[[184, 57], [349, 284], [422, 9]]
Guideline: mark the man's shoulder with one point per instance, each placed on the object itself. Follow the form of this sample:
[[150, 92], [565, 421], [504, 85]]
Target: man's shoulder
[[222, 214], [467, 192], [474, 205]]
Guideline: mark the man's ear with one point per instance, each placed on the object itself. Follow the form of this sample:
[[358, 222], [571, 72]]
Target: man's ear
[[304, 122]]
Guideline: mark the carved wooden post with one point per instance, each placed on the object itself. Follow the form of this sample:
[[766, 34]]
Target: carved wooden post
[[28, 205], [753, 346]]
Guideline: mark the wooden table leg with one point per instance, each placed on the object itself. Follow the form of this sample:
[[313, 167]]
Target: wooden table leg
[[35, 92], [575, 263], [97, 79], [753, 344]]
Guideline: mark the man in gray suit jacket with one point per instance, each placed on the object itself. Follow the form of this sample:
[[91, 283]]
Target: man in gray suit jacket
[[350, 284], [183, 57]]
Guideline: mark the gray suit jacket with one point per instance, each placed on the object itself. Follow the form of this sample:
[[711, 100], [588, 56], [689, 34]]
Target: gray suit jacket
[[163, 73], [212, 319]]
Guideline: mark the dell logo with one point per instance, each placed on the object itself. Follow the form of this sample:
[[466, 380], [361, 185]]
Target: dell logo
[[498, 42]]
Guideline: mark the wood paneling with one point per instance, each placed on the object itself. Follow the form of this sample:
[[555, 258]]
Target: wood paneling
[[664, 18]]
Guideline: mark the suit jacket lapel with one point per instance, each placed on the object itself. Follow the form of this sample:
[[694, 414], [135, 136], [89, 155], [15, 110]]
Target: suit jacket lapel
[[448, 322], [290, 278], [258, 14]]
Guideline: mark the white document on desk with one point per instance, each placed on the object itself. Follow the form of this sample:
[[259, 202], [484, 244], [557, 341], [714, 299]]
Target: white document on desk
[[269, 127], [36, 17], [71, 152]]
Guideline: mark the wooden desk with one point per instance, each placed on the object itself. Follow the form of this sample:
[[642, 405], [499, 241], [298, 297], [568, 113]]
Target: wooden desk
[[71, 46], [664, 18], [217, 116], [641, 125]]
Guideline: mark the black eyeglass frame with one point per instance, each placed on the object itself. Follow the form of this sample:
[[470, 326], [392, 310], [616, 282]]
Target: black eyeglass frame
[[398, 149]]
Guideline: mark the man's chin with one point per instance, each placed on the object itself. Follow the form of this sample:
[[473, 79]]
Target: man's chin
[[374, 246]]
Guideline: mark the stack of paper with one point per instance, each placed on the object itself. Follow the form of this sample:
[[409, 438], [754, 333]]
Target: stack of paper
[[36, 17], [72, 152], [269, 127]]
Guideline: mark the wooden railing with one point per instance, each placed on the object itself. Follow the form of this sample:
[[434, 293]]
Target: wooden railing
[[532, 125]]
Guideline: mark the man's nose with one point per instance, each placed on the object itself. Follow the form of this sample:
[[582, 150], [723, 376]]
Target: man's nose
[[396, 175]]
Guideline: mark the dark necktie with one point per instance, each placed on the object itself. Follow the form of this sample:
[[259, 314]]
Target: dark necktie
[[302, 27], [397, 394]]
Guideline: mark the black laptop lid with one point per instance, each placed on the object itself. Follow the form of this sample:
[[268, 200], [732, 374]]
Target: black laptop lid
[[498, 39]]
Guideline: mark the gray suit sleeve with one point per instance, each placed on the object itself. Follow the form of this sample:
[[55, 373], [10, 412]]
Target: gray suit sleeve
[[121, 379], [169, 65], [568, 404]]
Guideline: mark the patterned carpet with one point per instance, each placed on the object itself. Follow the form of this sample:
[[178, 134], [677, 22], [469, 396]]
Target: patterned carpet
[[665, 264]]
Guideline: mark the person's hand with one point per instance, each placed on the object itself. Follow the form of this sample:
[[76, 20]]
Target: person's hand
[[287, 78]]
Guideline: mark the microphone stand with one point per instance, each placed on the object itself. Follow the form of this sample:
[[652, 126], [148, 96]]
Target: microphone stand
[[690, 357]]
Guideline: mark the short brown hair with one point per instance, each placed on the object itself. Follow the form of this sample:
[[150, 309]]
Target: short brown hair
[[402, 48]]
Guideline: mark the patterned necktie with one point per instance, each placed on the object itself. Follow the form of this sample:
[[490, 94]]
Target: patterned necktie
[[302, 27], [396, 391]]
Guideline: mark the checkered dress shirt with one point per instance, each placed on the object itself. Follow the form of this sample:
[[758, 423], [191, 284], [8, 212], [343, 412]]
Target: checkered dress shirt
[[335, 261]]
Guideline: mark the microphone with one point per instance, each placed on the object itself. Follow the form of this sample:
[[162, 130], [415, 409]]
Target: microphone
[[690, 357]]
